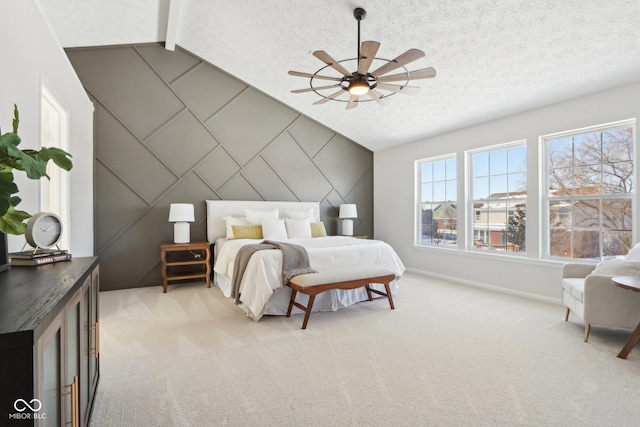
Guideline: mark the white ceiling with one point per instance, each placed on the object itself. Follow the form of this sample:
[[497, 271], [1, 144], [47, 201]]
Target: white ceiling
[[493, 57]]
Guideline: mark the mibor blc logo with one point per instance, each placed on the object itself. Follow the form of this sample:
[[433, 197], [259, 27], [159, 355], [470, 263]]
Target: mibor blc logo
[[27, 410]]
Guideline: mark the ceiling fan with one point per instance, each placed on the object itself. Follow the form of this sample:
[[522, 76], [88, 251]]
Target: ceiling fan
[[363, 83]]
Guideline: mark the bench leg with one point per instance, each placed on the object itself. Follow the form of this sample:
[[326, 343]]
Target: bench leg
[[291, 302], [369, 292], [307, 312], [388, 289]]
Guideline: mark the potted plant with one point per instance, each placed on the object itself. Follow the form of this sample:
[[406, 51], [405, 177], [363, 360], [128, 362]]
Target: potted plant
[[33, 163]]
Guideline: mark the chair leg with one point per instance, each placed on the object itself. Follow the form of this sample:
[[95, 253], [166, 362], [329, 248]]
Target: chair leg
[[587, 329], [566, 316]]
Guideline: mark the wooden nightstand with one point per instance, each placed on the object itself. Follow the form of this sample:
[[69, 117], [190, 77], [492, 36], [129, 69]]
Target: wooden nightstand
[[182, 261]]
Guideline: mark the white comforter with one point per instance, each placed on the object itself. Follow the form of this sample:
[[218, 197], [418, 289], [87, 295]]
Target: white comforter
[[263, 275]]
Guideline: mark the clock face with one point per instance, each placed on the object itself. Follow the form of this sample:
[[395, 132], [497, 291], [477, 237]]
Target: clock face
[[44, 230]]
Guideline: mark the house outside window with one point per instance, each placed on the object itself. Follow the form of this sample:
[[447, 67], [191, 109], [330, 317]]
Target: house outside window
[[437, 207], [498, 198], [589, 205]]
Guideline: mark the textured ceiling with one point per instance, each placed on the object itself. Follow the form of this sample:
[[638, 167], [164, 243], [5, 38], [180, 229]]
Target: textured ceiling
[[494, 58]]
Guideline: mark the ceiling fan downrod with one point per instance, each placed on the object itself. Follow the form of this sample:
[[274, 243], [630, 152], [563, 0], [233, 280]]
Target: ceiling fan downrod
[[359, 13]]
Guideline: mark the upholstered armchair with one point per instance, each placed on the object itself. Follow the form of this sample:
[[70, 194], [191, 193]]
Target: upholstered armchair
[[588, 292]]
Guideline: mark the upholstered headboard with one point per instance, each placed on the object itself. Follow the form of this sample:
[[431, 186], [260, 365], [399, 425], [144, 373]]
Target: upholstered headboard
[[218, 209]]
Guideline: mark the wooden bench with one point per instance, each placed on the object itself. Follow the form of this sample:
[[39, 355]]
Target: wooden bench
[[340, 278]]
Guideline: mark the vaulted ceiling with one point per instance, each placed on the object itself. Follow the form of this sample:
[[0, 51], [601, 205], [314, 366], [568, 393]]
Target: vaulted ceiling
[[493, 57]]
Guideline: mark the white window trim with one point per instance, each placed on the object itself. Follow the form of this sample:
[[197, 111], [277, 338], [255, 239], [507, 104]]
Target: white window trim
[[470, 210], [543, 163], [61, 192], [417, 220]]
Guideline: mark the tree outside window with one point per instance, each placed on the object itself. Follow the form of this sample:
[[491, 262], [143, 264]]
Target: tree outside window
[[590, 182]]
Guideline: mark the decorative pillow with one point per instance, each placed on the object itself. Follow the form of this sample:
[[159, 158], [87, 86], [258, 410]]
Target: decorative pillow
[[318, 230], [247, 231], [300, 214], [618, 267], [256, 217], [634, 253], [298, 228], [274, 229], [231, 221]]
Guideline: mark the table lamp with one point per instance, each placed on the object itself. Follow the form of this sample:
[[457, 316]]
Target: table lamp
[[181, 214], [346, 213]]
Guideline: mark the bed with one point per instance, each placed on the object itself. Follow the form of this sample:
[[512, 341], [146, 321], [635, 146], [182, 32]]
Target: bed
[[261, 288]]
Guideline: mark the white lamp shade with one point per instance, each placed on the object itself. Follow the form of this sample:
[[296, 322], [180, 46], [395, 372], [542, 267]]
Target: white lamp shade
[[181, 212], [348, 211]]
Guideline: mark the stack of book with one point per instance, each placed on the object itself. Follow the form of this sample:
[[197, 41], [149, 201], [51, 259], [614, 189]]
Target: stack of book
[[39, 256]]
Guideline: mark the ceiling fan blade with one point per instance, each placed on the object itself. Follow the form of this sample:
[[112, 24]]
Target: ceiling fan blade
[[353, 102], [406, 90], [402, 60], [315, 76], [327, 59], [330, 97], [367, 54], [424, 73], [377, 96], [310, 89]]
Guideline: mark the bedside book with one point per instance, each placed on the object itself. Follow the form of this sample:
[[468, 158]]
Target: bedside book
[[40, 260]]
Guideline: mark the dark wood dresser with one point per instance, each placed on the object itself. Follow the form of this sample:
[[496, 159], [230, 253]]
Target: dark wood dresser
[[49, 343]]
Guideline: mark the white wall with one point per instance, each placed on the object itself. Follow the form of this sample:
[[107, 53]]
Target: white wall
[[31, 56], [394, 192]]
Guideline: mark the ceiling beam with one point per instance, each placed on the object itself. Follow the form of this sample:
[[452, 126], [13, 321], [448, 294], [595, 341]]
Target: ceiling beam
[[173, 23]]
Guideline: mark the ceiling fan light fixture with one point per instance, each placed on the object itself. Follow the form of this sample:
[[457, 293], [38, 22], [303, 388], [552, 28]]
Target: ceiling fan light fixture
[[359, 87]]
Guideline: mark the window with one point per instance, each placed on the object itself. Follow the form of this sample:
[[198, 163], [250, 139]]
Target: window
[[498, 192], [589, 209], [54, 192], [438, 191]]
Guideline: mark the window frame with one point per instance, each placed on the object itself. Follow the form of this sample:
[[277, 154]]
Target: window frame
[[546, 199], [472, 210], [418, 241]]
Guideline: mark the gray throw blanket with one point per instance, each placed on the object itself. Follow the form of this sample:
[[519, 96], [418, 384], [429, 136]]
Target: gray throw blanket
[[295, 261]]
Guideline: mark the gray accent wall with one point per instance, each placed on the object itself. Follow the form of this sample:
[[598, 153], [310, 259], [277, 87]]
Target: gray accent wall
[[172, 128]]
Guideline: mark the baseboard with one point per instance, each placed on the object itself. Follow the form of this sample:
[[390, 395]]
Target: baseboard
[[485, 286]]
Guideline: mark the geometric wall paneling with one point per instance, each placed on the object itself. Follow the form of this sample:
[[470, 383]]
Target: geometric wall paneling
[[311, 135], [169, 65], [128, 158], [181, 142], [238, 188], [266, 181], [217, 168], [343, 163], [118, 205], [126, 86], [172, 128], [205, 90], [248, 123], [295, 168]]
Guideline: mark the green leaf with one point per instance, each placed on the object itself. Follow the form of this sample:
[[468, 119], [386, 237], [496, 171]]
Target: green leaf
[[59, 157], [33, 165], [12, 222], [16, 119]]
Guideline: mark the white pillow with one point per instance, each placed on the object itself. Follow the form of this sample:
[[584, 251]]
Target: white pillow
[[274, 229], [256, 217], [298, 228], [634, 253], [301, 215], [618, 267], [234, 221]]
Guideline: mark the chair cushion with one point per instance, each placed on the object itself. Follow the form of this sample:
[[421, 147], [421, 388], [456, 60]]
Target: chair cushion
[[575, 287]]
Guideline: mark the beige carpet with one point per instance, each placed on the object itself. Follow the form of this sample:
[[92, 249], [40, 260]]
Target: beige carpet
[[448, 355]]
